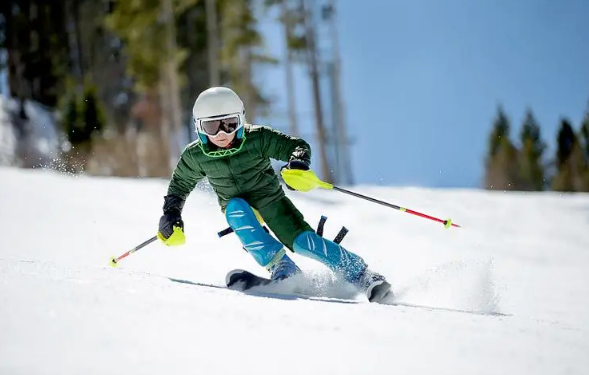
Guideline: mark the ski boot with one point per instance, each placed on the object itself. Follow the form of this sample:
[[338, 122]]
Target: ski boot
[[283, 268]]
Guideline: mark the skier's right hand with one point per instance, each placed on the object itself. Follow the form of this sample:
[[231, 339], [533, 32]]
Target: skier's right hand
[[171, 226]]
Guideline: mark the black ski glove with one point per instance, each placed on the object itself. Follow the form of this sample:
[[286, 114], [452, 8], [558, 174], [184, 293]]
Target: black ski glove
[[172, 216], [297, 164]]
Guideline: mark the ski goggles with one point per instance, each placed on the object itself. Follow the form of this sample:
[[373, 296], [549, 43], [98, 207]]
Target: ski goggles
[[227, 124]]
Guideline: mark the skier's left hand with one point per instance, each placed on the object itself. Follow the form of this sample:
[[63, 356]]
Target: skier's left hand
[[298, 176]]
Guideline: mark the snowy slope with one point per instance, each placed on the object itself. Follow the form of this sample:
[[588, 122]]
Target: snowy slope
[[521, 258]]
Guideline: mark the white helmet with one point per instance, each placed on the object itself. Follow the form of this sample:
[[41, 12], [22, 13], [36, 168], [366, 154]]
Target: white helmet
[[215, 104]]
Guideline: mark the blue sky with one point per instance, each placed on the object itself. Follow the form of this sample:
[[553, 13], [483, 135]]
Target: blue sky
[[422, 80]]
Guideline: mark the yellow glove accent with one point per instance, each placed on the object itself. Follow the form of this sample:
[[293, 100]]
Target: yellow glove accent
[[303, 180], [176, 239]]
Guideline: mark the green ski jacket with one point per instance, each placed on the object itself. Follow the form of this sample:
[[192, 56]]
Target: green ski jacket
[[246, 174]]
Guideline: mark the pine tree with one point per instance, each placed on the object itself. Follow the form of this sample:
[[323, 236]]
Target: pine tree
[[570, 161], [35, 41], [566, 140], [195, 69], [92, 112], [585, 133], [501, 163], [585, 147], [82, 120], [147, 29], [71, 123], [83, 116], [531, 169]]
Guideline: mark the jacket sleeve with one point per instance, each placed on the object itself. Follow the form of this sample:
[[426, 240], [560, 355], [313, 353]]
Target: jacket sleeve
[[283, 147], [185, 176]]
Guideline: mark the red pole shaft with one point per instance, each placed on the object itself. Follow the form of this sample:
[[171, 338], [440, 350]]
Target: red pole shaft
[[428, 217], [394, 206], [123, 256], [137, 248]]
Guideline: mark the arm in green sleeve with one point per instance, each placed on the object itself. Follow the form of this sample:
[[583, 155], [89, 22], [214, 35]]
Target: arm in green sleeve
[[185, 176], [280, 146]]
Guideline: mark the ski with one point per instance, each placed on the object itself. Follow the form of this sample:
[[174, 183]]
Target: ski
[[241, 280], [244, 280]]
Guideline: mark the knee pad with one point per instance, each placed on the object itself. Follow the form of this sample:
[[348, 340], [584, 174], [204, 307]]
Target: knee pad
[[252, 235]]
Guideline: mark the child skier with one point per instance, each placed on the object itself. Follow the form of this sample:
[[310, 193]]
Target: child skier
[[235, 158]]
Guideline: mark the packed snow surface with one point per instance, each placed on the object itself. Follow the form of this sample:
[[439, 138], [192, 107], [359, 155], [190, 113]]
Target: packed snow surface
[[506, 294]]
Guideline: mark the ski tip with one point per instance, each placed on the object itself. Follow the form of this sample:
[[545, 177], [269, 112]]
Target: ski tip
[[379, 291], [233, 276]]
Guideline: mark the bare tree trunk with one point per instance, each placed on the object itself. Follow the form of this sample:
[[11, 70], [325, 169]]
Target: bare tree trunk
[[74, 34], [171, 89], [153, 145], [236, 56], [248, 92], [165, 126], [244, 70], [16, 42], [339, 119], [78, 34], [290, 95], [313, 64], [213, 42]]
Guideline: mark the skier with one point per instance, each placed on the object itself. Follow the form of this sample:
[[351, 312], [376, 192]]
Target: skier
[[235, 157]]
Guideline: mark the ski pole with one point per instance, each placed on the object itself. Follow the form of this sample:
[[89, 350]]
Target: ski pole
[[308, 180], [115, 261], [447, 223]]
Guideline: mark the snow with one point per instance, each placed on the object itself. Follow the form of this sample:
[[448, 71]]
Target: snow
[[521, 260]]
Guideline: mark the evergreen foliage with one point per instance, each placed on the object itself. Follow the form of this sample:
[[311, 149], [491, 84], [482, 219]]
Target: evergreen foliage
[[502, 159], [532, 170]]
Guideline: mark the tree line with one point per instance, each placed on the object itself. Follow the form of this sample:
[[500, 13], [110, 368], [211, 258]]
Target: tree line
[[523, 165], [122, 75]]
